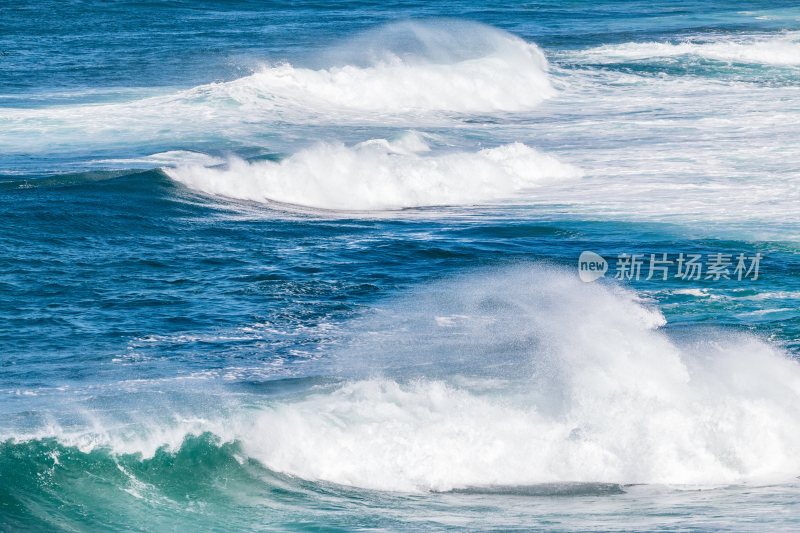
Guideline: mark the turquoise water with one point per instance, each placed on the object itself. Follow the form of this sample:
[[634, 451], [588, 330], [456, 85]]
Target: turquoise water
[[302, 266]]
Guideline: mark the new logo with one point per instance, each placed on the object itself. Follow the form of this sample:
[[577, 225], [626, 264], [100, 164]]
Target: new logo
[[591, 266]]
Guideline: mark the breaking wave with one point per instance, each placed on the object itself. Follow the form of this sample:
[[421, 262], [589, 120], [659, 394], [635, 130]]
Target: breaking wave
[[407, 72], [379, 174], [514, 378], [528, 376], [410, 66]]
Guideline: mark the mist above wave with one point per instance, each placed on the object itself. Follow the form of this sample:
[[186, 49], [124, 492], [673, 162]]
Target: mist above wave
[[442, 65], [527, 376]]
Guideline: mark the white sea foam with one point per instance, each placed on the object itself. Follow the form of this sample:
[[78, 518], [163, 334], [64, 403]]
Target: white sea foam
[[380, 174], [582, 383], [782, 49]]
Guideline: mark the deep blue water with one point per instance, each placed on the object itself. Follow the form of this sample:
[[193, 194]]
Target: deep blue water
[[309, 266]]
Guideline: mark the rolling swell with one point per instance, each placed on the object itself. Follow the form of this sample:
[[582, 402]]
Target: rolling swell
[[51, 486], [73, 179], [204, 483]]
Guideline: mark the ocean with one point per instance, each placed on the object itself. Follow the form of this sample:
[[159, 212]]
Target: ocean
[[399, 266]]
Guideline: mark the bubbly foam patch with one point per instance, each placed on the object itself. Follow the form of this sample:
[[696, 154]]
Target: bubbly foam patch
[[379, 174], [783, 49]]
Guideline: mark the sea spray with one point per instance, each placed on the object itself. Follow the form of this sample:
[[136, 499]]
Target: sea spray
[[517, 377]]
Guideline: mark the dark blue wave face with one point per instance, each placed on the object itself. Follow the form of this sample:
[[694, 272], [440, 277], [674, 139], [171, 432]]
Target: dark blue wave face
[[298, 265], [133, 277]]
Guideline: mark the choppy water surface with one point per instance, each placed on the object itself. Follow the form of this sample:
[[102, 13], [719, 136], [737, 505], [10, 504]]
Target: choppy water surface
[[295, 266]]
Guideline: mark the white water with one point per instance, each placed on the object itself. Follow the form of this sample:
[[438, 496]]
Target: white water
[[379, 174], [516, 377], [579, 383], [780, 50]]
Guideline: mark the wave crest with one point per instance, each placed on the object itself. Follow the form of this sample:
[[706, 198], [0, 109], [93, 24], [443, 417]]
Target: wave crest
[[405, 67], [379, 174]]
